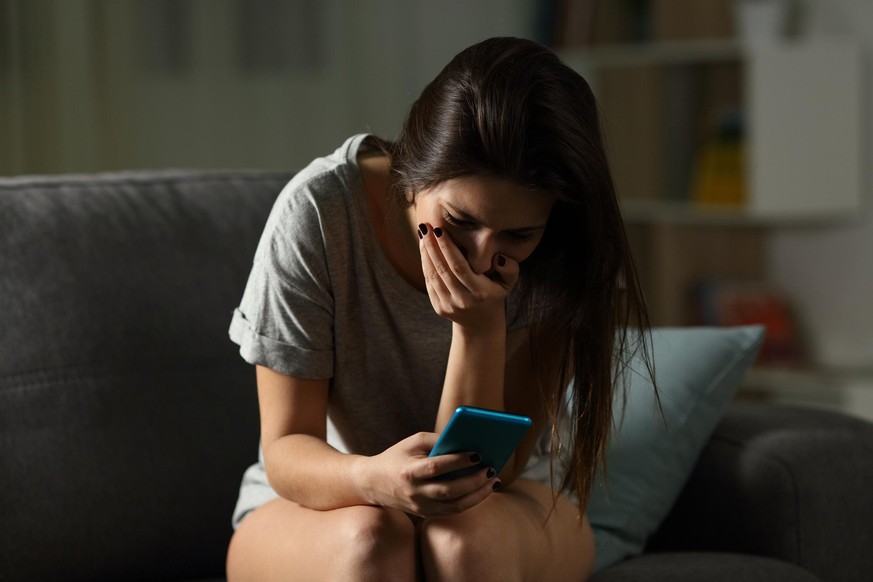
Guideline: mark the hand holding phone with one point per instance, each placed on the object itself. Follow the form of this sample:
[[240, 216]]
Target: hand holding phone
[[493, 434]]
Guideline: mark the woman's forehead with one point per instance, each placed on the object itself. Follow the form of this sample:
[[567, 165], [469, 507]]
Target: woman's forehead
[[493, 202]]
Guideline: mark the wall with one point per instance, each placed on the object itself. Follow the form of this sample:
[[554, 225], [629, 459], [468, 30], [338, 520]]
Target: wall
[[90, 85]]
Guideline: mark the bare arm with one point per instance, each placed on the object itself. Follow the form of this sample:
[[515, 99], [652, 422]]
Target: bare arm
[[475, 372], [303, 468], [300, 465], [484, 368]]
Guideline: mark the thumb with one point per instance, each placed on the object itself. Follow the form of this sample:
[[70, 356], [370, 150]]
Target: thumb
[[506, 268]]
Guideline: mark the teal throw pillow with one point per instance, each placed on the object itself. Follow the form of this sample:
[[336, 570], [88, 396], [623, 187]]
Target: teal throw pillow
[[650, 457]]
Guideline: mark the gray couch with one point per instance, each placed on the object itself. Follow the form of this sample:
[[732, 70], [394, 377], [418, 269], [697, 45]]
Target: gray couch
[[127, 417]]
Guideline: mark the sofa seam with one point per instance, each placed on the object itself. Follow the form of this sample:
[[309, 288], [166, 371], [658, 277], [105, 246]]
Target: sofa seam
[[47, 376]]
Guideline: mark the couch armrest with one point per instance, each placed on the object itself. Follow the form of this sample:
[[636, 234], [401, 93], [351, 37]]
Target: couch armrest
[[787, 482]]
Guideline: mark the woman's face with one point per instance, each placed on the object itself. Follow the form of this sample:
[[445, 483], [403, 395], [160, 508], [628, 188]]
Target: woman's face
[[485, 216]]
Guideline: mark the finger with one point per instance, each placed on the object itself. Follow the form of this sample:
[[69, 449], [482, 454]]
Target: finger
[[465, 502], [433, 467], [422, 443], [457, 265], [506, 268], [433, 281], [479, 495], [452, 489], [447, 266]]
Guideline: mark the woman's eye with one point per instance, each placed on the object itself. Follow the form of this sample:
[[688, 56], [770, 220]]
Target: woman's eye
[[520, 237], [457, 221]]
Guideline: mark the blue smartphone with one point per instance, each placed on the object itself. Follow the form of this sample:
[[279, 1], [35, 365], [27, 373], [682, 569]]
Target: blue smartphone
[[493, 434]]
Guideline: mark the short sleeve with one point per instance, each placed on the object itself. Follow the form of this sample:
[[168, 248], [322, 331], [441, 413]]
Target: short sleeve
[[285, 319]]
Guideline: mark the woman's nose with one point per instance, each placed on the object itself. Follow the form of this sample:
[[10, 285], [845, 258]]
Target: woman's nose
[[480, 255]]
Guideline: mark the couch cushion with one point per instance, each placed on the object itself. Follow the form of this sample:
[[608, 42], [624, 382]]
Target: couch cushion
[[651, 455], [791, 482], [126, 414]]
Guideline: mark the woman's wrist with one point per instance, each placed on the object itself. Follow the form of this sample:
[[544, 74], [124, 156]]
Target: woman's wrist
[[475, 372], [488, 329], [364, 479]]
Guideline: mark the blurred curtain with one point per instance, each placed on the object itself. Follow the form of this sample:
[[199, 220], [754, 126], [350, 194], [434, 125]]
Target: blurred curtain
[[48, 71], [91, 85]]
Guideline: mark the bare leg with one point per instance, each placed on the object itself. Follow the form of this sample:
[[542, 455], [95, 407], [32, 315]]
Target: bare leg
[[507, 538], [285, 541]]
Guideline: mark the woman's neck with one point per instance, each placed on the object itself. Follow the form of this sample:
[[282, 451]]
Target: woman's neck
[[394, 230]]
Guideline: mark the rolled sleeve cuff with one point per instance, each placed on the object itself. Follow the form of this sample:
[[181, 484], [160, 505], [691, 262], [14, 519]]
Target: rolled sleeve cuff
[[279, 356]]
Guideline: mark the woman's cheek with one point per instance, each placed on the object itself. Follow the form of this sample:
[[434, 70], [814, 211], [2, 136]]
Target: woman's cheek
[[459, 239], [525, 252]]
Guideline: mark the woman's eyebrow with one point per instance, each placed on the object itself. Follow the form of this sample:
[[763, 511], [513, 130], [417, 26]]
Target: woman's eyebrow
[[470, 218]]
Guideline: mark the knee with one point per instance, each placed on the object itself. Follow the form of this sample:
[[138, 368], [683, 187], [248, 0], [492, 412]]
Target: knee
[[462, 549], [370, 535], [446, 540]]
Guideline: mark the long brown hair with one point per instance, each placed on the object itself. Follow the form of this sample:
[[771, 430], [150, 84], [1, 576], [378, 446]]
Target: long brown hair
[[509, 108]]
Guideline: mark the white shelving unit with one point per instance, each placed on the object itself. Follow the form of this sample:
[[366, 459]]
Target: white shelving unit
[[803, 128], [801, 106]]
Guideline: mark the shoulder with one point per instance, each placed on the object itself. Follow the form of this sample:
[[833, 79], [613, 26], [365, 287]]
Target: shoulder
[[320, 195], [328, 178]]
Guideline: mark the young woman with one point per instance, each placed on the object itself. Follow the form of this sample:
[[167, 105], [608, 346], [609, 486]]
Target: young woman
[[479, 260]]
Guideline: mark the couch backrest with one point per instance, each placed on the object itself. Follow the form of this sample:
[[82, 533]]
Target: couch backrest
[[126, 414]]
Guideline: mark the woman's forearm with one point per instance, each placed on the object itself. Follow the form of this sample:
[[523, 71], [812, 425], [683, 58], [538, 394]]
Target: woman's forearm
[[308, 471], [475, 371]]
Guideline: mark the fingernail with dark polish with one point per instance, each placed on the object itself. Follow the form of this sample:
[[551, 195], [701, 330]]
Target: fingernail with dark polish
[[422, 228], [496, 486], [438, 231], [501, 261], [491, 472], [475, 458]]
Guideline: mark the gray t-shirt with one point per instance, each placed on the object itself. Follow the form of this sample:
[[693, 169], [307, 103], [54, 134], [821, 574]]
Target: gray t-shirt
[[323, 301]]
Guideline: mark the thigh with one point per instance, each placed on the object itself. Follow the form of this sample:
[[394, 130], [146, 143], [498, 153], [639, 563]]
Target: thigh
[[515, 534], [284, 541]]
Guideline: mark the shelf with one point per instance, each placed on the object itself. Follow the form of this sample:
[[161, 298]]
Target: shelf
[[689, 214], [801, 111], [665, 105], [849, 390], [771, 379]]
